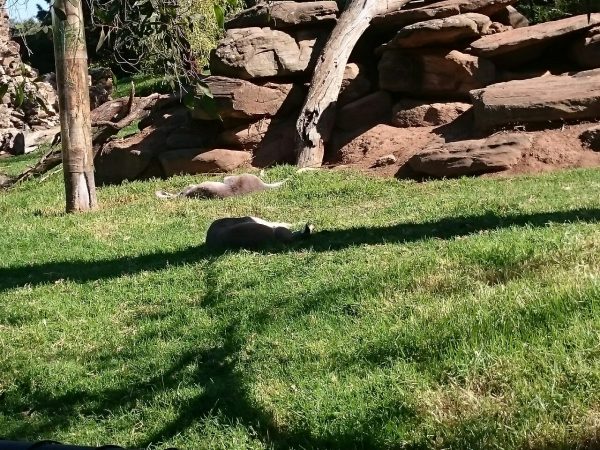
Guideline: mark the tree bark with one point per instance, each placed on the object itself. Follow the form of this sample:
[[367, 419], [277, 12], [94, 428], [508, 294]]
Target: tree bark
[[317, 117], [73, 96]]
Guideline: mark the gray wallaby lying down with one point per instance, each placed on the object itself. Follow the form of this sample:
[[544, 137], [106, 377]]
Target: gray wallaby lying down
[[231, 186], [252, 232]]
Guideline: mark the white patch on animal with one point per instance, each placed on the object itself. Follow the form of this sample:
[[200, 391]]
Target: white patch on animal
[[252, 232], [230, 186]]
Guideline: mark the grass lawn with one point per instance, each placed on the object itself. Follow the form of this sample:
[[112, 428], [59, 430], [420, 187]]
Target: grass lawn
[[458, 314]]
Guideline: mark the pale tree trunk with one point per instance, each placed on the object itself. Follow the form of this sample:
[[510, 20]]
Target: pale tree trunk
[[316, 119], [73, 95]]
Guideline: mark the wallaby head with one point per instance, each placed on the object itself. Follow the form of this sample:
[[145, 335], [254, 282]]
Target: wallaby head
[[252, 233], [230, 186]]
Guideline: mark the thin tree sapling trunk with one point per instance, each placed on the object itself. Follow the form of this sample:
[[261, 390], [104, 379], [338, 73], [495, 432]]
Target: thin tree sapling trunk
[[73, 95]]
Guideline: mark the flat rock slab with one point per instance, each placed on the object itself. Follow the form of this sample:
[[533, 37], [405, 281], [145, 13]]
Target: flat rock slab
[[450, 74], [441, 32], [285, 14], [438, 10], [416, 113], [472, 157], [541, 99], [240, 99], [192, 161], [520, 45], [249, 53]]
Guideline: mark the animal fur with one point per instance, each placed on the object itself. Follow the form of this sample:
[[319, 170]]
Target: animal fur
[[230, 186], [252, 232]]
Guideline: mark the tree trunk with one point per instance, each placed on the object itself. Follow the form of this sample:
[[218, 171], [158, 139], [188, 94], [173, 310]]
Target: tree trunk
[[74, 102], [317, 117]]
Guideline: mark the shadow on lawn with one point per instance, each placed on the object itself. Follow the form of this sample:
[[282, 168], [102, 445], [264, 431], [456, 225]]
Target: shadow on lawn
[[219, 379], [216, 373], [447, 228]]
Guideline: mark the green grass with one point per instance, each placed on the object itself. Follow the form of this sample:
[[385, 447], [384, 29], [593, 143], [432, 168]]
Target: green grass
[[145, 84], [458, 314]]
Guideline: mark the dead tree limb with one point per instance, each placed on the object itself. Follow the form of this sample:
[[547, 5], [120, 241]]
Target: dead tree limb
[[315, 122], [125, 112]]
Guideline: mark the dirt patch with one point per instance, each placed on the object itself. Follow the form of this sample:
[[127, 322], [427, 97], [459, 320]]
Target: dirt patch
[[553, 148]]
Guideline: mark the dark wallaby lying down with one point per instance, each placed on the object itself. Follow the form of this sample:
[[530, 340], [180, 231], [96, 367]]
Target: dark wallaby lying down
[[231, 186], [252, 232]]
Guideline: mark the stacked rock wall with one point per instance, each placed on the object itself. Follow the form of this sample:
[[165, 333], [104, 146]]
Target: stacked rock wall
[[425, 65], [26, 103]]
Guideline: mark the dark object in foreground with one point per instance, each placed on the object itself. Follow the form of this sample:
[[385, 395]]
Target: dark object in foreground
[[53, 445], [252, 233]]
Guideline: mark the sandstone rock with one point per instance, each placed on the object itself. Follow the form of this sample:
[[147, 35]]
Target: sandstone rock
[[354, 85], [542, 99], [440, 32], [130, 158], [416, 113], [438, 10], [520, 45], [473, 157], [497, 27], [246, 137], [370, 110], [193, 161], [450, 74], [385, 160], [591, 138], [272, 141], [510, 16], [277, 146], [249, 53], [284, 14], [245, 100], [585, 51]]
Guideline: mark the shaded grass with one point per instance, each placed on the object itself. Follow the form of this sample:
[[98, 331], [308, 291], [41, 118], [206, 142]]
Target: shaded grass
[[450, 314]]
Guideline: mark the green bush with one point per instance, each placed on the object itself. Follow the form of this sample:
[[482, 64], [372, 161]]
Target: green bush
[[544, 10], [203, 37]]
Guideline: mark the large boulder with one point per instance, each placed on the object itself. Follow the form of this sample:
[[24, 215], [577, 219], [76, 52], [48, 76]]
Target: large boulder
[[472, 157], [132, 158], [417, 113], [254, 52], [284, 14], [438, 10], [240, 99], [447, 73], [192, 161], [441, 32], [542, 99], [585, 51], [519, 45]]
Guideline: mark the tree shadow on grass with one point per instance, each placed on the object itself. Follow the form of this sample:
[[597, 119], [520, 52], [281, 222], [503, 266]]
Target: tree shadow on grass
[[446, 228], [223, 389]]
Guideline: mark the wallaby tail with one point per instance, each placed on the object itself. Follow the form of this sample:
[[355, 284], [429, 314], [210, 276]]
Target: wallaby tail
[[165, 195], [277, 184]]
